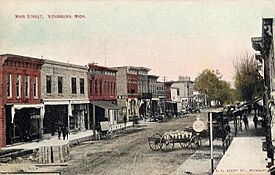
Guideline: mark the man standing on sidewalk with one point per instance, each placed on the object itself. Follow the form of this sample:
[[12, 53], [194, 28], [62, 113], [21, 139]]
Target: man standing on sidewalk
[[255, 120], [125, 120]]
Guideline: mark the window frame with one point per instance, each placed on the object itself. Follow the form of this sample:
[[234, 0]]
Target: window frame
[[35, 87], [9, 85], [82, 89], [48, 81], [60, 78], [18, 86], [73, 89], [27, 86]]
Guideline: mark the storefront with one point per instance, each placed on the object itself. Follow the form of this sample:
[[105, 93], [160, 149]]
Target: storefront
[[55, 115], [105, 111], [23, 122], [78, 117]]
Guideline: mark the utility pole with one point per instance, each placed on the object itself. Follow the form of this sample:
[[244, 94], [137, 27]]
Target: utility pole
[[164, 78], [93, 95]]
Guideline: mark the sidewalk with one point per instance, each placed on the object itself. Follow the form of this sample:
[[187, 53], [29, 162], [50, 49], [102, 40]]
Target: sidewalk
[[53, 140], [199, 163], [245, 154]]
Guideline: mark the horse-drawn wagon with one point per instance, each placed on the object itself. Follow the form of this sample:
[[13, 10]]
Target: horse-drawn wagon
[[186, 138]]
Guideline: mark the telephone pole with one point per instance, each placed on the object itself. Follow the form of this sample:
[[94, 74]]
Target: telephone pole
[[93, 95], [164, 78]]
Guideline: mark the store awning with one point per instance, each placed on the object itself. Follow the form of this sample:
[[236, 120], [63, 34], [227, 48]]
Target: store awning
[[105, 105]]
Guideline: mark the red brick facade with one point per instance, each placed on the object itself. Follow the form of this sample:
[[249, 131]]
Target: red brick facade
[[132, 85], [12, 67], [168, 90], [102, 83]]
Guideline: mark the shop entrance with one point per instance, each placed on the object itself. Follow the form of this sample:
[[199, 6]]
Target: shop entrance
[[25, 125]]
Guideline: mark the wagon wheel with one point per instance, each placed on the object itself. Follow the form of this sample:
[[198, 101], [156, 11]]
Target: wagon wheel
[[185, 143], [167, 142], [195, 142], [155, 142]]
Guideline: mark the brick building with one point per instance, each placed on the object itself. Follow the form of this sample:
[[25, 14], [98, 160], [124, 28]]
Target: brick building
[[102, 93], [127, 91], [143, 91], [65, 96], [21, 117], [153, 85]]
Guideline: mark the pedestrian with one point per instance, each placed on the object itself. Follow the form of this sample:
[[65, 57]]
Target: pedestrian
[[125, 119], [245, 121], [255, 120], [67, 132], [227, 128], [64, 132], [59, 132]]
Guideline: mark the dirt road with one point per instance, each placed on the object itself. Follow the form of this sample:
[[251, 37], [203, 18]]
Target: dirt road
[[129, 153]]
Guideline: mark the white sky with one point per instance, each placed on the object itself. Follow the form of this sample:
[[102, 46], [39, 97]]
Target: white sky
[[170, 37]]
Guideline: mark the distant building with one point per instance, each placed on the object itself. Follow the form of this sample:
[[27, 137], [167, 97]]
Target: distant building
[[127, 81], [175, 97], [153, 89], [185, 86], [102, 93], [143, 90]]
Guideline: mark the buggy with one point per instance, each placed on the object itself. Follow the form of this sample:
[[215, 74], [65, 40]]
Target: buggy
[[104, 131]]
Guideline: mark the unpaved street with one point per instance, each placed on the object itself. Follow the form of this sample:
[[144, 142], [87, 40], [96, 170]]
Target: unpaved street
[[129, 152]]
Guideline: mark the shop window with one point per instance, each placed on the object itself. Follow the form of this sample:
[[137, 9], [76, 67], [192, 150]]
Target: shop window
[[73, 84], [48, 84], [81, 85], [35, 88], [9, 85], [18, 86], [27, 86], [60, 85]]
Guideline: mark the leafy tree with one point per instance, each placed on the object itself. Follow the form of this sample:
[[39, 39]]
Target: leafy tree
[[247, 79], [209, 82]]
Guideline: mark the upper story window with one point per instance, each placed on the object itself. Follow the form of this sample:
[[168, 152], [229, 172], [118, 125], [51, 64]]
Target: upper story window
[[35, 88], [73, 83], [48, 84], [81, 82], [178, 92], [95, 86], [100, 87], [60, 84], [91, 87], [18, 85], [27, 86], [9, 85]]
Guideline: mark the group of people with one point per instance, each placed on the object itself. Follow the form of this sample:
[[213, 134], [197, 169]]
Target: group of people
[[245, 121], [65, 132]]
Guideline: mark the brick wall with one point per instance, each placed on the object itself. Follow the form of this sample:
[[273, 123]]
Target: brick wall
[[55, 69]]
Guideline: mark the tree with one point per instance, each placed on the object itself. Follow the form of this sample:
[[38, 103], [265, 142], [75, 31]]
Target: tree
[[247, 79], [209, 83]]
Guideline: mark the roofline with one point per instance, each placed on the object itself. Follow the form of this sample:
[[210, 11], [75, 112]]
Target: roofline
[[58, 63], [24, 58]]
